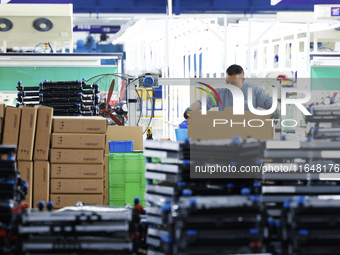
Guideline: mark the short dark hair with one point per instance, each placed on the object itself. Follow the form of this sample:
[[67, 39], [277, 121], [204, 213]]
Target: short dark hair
[[234, 69]]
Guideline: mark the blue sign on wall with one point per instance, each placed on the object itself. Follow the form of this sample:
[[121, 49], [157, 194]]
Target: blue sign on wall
[[96, 29], [335, 11]]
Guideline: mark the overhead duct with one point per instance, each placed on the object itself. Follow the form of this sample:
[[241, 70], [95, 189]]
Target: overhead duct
[[26, 25]]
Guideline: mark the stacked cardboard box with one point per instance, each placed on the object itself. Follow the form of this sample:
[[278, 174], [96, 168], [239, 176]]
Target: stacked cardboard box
[[77, 160], [29, 128], [77, 148], [26, 172], [41, 176], [19, 130], [11, 126]]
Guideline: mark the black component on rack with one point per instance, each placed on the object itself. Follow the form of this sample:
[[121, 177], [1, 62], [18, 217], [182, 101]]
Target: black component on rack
[[72, 230], [12, 187], [68, 98], [313, 225], [57, 93], [201, 216], [226, 150], [79, 98], [26, 89], [190, 216], [8, 150], [324, 121], [64, 83], [12, 191]]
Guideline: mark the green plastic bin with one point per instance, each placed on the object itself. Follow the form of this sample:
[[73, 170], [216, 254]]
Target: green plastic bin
[[116, 163], [132, 178], [135, 163], [117, 202], [117, 192], [116, 179], [132, 190], [126, 162]]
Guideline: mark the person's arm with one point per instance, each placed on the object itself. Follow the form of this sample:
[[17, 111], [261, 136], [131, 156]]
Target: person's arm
[[196, 106], [265, 101]]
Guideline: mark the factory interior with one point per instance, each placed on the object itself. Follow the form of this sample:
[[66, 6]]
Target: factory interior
[[174, 127]]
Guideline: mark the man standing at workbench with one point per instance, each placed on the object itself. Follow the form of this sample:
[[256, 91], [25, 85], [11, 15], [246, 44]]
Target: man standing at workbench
[[235, 77]]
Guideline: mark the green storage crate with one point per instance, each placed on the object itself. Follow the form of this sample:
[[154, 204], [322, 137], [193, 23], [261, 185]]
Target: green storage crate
[[116, 163], [135, 162], [126, 178], [132, 178], [143, 180], [117, 192], [116, 179], [132, 190], [126, 162], [142, 191], [117, 202]]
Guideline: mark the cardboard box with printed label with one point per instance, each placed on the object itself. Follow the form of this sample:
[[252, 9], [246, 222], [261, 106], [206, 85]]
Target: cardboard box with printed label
[[77, 156], [120, 133], [26, 173], [27, 133], [2, 110], [70, 171], [41, 182], [76, 186], [43, 133], [78, 141], [62, 200], [11, 129], [93, 125], [1, 129]]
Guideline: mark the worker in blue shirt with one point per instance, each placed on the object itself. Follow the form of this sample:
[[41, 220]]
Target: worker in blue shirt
[[235, 76]]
